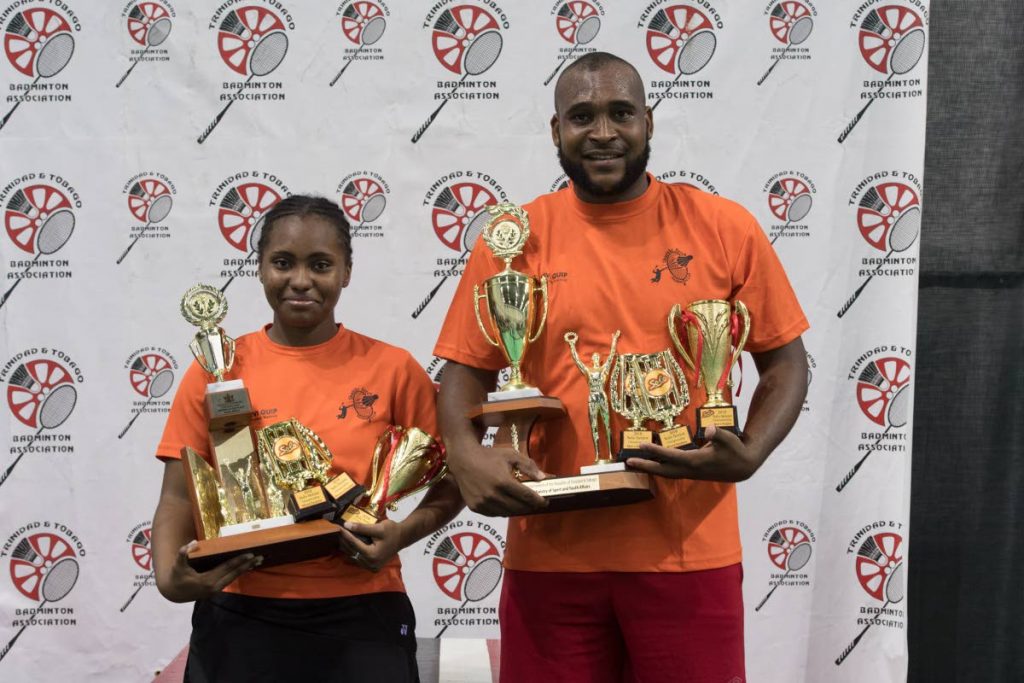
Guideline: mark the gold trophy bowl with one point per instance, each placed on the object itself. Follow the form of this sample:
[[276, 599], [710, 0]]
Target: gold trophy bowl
[[715, 341], [512, 309], [405, 461]]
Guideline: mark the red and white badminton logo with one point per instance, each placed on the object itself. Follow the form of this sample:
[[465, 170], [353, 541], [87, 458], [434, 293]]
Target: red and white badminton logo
[[883, 395], [467, 568], [880, 568], [791, 23], [38, 43], [363, 24], [789, 547], [150, 373], [790, 197], [252, 41], [577, 22], [41, 395], [149, 26], [681, 40], [149, 199], [458, 214], [44, 566], [39, 220], [242, 202], [466, 40], [140, 547], [363, 198], [891, 40], [889, 219]]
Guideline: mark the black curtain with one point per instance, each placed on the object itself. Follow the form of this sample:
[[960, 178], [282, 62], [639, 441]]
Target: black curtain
[[966, 583]]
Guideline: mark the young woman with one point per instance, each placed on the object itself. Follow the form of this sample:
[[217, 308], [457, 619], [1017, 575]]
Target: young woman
[[339, 618]]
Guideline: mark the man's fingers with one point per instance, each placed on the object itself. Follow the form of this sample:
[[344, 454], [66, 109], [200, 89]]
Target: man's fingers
[[529, 470], [647, 466]]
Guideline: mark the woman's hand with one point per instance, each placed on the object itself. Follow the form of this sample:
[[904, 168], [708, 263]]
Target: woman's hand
[[184, 584], [387, 537]]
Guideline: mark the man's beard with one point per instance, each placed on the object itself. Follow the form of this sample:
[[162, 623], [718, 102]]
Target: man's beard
[[634, 170]]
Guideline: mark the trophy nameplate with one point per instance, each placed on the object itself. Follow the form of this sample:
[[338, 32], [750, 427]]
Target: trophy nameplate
[[715, 342]]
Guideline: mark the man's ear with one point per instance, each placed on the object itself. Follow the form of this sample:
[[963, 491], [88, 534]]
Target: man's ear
[[556, 136]]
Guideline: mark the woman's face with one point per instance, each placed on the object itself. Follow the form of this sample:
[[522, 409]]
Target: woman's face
[[303, 270]]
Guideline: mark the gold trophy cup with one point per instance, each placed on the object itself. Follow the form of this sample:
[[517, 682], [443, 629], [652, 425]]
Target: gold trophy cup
[[512, 298], [715, 340], [405, 461]]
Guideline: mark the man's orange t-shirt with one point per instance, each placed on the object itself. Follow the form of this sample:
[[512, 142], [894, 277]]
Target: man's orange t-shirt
[[607, 267], [378, 385]]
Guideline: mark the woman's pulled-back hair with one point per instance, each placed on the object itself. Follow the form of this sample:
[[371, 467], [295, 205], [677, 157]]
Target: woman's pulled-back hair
[[302, 205]]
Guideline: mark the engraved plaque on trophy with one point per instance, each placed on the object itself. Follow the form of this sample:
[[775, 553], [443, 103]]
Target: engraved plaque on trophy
[[650, 387], [716, 332]]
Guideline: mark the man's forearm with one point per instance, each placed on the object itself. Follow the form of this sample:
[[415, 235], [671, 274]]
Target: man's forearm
[[462, 389], [778, 398]]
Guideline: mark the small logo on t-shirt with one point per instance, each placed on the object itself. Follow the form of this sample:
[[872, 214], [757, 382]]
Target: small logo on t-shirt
[[559, 276], [675, 263], [360, 402]]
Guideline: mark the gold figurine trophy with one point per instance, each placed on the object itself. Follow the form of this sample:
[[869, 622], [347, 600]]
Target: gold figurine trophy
[[512, 304], [715, 339], [241, 504], [650, 387]]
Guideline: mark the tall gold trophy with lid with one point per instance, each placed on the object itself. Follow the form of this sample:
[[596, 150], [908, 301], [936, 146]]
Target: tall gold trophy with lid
[[514, 318]]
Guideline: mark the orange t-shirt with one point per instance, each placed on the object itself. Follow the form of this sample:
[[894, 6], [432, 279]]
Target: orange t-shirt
[[311, 384], [606, 266]]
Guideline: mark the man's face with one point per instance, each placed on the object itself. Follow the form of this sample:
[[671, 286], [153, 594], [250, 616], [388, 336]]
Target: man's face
[[601, 128]]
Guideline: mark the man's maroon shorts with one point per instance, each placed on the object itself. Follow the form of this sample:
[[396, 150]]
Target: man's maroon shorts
[[613, 627]]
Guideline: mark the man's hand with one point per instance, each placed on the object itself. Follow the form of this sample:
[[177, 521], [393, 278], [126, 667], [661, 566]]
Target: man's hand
[[185, 584], [723, 457], [488, 480]]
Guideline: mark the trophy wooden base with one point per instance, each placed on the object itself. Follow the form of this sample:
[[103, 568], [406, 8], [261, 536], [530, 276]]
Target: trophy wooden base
[[723, 417], [584, 491], [279, 545]]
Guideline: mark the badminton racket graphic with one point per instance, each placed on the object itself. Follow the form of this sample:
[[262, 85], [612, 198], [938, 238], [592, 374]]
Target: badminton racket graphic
[[57, 583], [363, 199], [480, 55], [267, 54], [157, 210], [577, 21], [789, 198], [792, 20], [43, 35], [55, 409], [894, 594], [901, 237], [797, 559], [365, 20], [896, 415], [142, 554], [158, 387], [469, 237], [35, 207], [691, 39], [155, 30], [905, 54], [483, 578]]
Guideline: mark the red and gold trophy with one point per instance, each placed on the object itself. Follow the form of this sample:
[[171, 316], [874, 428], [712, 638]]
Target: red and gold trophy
[[716, 333], [512, 325]]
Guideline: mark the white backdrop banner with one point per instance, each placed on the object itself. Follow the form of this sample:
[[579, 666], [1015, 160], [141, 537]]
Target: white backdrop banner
[[141, 142]]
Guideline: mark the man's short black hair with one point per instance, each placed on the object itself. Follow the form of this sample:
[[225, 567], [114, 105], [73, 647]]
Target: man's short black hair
[[595, 61]]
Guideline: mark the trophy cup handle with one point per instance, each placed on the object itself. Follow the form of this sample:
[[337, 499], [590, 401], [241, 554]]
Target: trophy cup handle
[[228, 344], [476, 310], [742, 314], [544, 309], [676, 312]]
